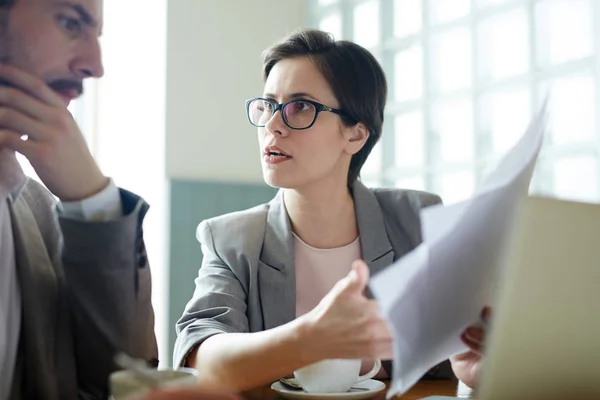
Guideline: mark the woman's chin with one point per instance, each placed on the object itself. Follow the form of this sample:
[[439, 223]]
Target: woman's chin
[[278, 181]]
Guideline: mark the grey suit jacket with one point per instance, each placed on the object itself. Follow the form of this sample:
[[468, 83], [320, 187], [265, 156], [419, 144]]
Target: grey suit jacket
[[85, 294], [246, 282]]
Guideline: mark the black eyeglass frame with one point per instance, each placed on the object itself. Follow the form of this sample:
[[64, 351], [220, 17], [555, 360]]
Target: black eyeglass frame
[[280, 106]]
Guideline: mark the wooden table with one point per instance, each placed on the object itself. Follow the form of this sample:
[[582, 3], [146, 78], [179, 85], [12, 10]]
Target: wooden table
[[419, 391]]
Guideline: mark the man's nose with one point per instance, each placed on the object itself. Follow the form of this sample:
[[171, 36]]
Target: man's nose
[[88, 61]]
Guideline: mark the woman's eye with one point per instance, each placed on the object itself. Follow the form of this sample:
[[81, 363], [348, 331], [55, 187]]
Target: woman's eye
[[302, 106]]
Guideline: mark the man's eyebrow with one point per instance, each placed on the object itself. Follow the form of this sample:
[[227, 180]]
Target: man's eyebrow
[[85, 16]]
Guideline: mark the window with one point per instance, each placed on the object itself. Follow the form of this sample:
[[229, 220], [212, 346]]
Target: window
[[466, 76]]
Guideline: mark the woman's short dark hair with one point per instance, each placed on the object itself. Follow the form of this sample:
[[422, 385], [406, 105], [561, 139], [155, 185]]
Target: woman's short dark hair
[[354, 75]]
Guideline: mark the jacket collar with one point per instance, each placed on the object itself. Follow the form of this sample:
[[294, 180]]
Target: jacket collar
[[276, 274]]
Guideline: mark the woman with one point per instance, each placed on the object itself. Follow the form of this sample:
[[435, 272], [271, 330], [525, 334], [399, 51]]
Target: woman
[[278, 289]]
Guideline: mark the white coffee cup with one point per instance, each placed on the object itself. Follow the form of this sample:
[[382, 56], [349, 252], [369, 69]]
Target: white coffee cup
[[333, 375], [126, 385]]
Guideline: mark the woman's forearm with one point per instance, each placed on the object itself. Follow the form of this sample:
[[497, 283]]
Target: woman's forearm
[[242, 361]]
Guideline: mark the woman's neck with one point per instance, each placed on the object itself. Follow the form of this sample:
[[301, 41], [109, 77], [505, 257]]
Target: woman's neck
[[322, 216]]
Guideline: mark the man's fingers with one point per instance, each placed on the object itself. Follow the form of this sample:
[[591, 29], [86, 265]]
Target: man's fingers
[[20, 101], [188, 394], [185, 394], [30, 84], [13, 141], [15, 121]]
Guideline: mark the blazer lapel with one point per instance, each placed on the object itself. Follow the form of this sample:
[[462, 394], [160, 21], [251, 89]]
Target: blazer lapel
[[276, 270], [276, 274], [375, 245], [39, 293]]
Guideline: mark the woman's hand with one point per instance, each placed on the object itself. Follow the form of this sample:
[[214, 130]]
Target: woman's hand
[[467, 366], [346, 324]]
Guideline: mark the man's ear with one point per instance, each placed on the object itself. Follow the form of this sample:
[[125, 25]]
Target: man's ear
[[358, 135]]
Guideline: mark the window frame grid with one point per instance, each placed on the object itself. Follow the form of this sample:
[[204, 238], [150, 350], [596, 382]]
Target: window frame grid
[[433, 168]]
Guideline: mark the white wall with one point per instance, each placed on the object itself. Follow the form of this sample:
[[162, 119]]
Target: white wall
[[148, 118], [129, 136], [214, 64]]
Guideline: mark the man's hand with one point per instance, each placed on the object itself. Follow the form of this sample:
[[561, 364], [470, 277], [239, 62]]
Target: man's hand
[[55, 146], [467, 366], [187, 394]]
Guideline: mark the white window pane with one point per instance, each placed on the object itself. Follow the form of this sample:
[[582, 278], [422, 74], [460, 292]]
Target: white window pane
[[409, 139], [492, 3], [326, 2], [407, 17], [564, 30], [457, 186], [446, 10], [27, 168], [503, 46], [366, 23], [453, 121], [374, 164], [572, 117], [370, 182], [485, 168], [408, 74], [576, 179], [505, 115], [84, 111], [332, 24], [541, 184], [377, 55], [451, 60], [413, 183], [75, 108]]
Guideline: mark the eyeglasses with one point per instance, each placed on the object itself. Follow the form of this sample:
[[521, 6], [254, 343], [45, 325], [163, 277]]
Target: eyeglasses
[[297, 114]]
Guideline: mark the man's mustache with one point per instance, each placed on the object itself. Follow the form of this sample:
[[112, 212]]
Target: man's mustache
[[66, 85], [59, 85]]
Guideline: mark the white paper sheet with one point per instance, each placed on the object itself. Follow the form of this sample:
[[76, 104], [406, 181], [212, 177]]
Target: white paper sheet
[[433, 293]]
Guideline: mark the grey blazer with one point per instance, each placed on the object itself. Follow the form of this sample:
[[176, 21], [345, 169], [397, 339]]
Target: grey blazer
[[246, 282], [85, 290]]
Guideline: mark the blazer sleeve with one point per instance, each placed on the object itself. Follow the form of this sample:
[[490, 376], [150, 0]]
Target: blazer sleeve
[[109, 287], [218, 305], [426, 199]]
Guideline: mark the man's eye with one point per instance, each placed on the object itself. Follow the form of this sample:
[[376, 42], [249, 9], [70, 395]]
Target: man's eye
[[71, 25]]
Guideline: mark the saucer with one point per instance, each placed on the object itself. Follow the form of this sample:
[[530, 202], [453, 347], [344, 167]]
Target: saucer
[[371, 385]]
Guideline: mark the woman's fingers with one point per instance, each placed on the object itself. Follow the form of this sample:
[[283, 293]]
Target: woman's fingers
[[486, 314], [474, 346], [475, 334]]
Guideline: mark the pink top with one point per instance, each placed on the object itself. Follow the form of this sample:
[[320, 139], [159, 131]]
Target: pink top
[[318, 270]]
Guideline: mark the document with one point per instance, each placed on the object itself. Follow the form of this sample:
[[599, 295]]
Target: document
[[433, 293]]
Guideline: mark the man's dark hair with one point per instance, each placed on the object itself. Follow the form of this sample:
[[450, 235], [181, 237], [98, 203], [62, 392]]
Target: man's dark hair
[[354, 75], [5, 5]]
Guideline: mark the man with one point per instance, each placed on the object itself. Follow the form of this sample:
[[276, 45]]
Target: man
[[74, 278]]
